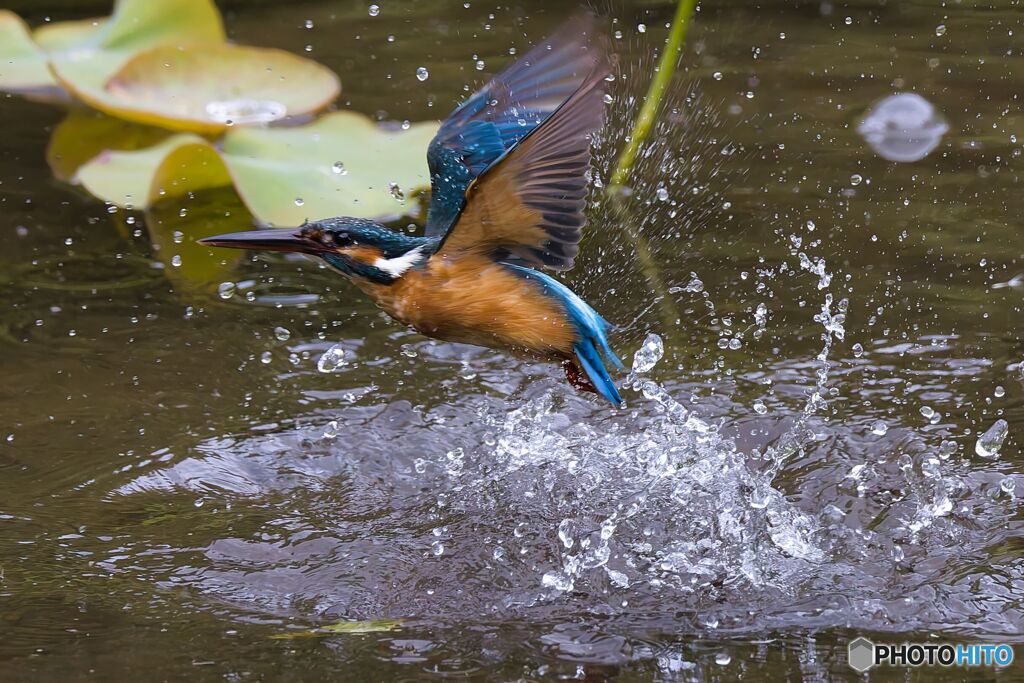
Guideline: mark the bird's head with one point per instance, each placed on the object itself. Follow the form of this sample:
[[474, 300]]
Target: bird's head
[[357, 248]]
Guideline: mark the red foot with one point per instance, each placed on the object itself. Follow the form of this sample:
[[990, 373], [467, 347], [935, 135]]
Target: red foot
[[578, 381]]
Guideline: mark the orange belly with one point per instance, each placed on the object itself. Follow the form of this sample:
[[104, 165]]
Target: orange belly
[[476, 301]]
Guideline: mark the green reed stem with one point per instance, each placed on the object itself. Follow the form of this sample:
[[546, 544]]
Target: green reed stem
[[641, 130]]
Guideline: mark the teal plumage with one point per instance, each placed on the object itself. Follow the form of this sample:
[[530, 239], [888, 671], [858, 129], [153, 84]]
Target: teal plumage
[[508, 172]]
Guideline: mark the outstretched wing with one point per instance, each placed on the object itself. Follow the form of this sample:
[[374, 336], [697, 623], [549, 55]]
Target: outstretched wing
[[527, 207], [500, 115]]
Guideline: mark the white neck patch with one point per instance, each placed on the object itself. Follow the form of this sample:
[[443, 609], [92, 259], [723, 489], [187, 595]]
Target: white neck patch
[[397, 267]]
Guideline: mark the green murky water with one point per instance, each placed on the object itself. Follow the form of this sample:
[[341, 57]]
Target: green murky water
[[179, 484]]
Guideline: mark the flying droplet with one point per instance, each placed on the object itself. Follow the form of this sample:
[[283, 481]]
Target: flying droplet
[[339, 168], [879, 428], [662, 194], [991, 441], [373, 10], [299, 201], [266, 357], [479, 65], [940, 30], [422, 74], [282, 333], [648, 355], [332, 359], [396, 192], [641, 28], [856, 179], [722, 658], [176, 260], [226, 290], [858, 350], [903, 127]]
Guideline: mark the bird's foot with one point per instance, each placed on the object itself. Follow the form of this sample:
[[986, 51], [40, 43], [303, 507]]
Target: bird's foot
[[578, 381]]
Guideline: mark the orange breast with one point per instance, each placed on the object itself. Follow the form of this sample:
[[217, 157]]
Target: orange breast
[[476, 301]]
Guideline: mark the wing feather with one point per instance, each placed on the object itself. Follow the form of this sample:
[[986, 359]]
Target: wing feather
[[528, 207], [502, 113]]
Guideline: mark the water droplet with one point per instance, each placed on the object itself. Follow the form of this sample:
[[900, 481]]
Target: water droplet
[[178, 236], [282, 333], [641, 28], [331, 430], [879, 428], [266, 357], [437, 548], [858, 350], [940, 30], [717, 75], [999, 392], [947, 448], [927, 412], [226, 290], [409, 351], [760, 408], [422, 74], [308, 24], [722, 658], [662, 194], [989, 443], [565, 529], [1008, 485], [299, 201], [479, 65], [903, 127], [339, 168], [648, 355], [396, 192], [373, 10], [735, 343], [856, 179], [332, 359]]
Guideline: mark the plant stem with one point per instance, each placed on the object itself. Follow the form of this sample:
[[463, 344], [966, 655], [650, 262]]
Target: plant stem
[[641, 129]]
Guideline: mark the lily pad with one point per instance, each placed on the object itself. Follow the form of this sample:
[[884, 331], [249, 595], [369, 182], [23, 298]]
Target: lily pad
[[84, 134], [91, 51], [342, 164], [208, 88], [344, 627], [23, 64]]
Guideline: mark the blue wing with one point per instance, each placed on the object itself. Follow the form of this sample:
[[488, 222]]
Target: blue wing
[[500, 115]]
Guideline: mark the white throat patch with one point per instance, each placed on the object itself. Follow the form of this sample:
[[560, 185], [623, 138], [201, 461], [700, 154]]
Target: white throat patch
[[396, 267]]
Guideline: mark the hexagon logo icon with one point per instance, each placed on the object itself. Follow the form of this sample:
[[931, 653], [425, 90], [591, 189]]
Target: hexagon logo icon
[[861, 654]]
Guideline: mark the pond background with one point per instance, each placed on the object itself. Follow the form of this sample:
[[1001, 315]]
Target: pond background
[[169, 501]]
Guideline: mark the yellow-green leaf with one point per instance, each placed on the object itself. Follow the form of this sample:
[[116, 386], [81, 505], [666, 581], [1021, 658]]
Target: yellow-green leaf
[[125, 178], [341, 164], [344, 627], [23, 66], [210, 87], [84, 134], [91, 51]]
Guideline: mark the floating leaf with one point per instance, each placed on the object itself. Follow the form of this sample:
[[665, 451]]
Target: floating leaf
[[85, 134], [344, 627], [23, 64], [92, 50], [342, 164], [126, 178], [208, 87]]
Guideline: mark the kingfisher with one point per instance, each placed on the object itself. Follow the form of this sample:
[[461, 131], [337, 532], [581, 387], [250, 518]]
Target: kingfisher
[[509, 170]]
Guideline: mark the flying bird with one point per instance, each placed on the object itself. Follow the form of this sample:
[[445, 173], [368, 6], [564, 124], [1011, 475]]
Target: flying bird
[[509, 173]]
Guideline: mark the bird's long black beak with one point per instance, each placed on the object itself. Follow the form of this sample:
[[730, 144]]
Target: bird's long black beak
[[265, 240]]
